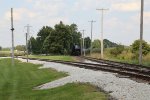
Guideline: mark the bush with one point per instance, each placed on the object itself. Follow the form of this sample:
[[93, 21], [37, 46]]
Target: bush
[[147, 57], [126, 55], [136, 45], [96, 50], [117, 50]]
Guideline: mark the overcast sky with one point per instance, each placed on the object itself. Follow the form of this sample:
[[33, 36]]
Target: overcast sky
[[121, 22]]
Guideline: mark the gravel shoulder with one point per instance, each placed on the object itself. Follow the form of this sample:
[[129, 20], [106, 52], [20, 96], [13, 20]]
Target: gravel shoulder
[[119, 88]]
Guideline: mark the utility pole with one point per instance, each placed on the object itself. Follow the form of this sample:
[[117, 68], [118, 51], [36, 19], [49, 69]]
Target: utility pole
[[102, 21], [27, 45], [12, 29], [91, 35], [81, 45], [82, 41], [141, 32], [27, 35]]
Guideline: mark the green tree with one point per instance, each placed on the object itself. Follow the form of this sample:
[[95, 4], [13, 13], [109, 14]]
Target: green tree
[[61, 39], [0, 48], [87, 42], [135, 47], [75, 35], [109, 44], [76, 38], [96, 44], [42, 35], [33, 46], [63, 34]]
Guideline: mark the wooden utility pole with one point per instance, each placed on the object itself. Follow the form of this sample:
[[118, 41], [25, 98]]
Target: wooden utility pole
[[12, 29], [27, 35], [141, 32], [27, 46], [91, 34], [102, 21], [83, 43]]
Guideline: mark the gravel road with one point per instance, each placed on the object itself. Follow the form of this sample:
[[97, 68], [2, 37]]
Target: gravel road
[[119, 88]]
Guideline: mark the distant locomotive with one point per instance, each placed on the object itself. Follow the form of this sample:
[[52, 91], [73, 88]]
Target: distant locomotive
[[76, 50]]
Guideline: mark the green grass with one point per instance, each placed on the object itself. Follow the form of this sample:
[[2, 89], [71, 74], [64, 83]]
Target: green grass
[[64, 58], [145, 63], [17, 83], [146, 59]]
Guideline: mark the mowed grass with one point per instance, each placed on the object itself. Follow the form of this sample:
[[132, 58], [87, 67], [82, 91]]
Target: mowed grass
[[17, 83], [64, 58]]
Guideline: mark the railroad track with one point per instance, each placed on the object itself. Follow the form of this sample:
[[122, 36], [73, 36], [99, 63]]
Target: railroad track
[[139, 74]]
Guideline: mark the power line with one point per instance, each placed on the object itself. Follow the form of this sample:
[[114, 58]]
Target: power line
[[12, 29], [102, 21], [91, 34], [27, 35], [141, 32]]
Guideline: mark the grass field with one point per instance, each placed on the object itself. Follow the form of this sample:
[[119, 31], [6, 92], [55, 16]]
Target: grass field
[[17, 83], [8, 53], [64, 58]]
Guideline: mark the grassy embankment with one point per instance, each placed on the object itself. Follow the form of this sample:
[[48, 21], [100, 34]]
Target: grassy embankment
[[123, 57], [21, 53], [64, 58], [17, 83]]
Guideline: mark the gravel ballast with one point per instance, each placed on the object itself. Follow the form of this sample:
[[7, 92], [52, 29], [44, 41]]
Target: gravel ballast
[[119, 88]]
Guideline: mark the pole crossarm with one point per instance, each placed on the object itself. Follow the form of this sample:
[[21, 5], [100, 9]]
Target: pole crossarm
[[102, 9]]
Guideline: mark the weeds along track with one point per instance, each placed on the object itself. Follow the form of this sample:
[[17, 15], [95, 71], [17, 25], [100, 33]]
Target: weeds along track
[[120, 64], [132, 72]]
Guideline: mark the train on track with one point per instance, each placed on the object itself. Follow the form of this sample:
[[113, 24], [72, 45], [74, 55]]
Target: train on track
[[76, 50]]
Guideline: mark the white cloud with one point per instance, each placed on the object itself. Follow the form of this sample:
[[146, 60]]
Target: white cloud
[[29, 1], [136, 18], [19, 14], [50, 12], [54, 21], [50, 8], [86, 5], [129, 6]]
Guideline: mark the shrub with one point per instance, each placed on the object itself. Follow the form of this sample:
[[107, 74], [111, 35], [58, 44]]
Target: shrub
[[135, 47], [117, 50]]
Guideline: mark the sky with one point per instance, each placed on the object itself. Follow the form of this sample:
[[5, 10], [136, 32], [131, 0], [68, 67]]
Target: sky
[[121, 21]]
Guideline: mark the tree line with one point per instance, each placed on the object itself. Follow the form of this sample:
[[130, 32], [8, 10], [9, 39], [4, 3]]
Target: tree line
[[60, 40], [57, 40]]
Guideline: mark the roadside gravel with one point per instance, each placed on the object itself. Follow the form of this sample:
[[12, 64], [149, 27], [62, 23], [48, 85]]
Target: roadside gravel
[[119, 88]]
